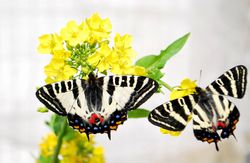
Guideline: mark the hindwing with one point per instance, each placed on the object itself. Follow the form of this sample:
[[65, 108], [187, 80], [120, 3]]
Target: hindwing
[[223, 116]]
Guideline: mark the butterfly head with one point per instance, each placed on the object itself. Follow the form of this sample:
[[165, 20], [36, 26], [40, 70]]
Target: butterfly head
[[199, 90], [92, 76]]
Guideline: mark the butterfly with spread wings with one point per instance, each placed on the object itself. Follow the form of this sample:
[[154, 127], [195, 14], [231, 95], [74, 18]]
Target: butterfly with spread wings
[[210, 110], [97, 105]]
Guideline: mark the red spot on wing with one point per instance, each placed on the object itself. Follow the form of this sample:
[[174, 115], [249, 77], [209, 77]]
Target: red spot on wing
[[95, 118], [221, 124]]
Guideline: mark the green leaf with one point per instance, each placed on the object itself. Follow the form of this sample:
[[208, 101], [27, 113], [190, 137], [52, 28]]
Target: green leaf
[[147, 61], [159, 61], [56, 123], [69, 134], [155, 74], [138, 113]]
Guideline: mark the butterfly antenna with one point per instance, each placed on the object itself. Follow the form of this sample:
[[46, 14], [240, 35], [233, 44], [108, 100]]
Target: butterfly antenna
[[96, 67], [109, 134], [200, 77], [216, 146]]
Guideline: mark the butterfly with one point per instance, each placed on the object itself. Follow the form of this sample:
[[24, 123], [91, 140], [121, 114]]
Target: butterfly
[[97, 105], [210, 110]]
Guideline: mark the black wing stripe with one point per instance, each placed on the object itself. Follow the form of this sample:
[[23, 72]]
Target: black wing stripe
[[63, 86], [111, 87], [75, 89]]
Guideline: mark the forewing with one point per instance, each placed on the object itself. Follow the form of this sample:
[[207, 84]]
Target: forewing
[[126, 92], [231, 83], [175, 114], [59, 97]]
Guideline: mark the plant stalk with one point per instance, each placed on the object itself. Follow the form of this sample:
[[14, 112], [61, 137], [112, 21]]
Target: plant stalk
[[166, 85], [59, 141]]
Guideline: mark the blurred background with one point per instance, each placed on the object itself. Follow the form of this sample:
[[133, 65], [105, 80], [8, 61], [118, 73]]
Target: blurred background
[[220, 39]]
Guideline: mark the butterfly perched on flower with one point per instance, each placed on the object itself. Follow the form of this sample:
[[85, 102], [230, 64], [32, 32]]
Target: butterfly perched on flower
[[210, 110], [97, 105]]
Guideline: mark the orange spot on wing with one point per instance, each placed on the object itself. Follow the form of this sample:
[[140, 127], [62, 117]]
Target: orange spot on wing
[[235, 121], [119, 122], [113, 127], [210, 140]]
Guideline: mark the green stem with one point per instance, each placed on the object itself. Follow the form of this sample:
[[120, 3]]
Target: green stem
[[59, 141], [166, 85]]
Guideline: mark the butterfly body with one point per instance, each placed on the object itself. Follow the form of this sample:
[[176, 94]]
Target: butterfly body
[[97, 105], [214, 116]]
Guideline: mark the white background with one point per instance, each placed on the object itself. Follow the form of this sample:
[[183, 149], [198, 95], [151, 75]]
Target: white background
[[220, 39]]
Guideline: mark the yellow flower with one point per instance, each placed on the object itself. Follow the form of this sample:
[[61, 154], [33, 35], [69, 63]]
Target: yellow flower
[[120, 68], [48, 145], [49, 43], [100, 58], [69, 149], [75, 34], [97, 155], [172, 133], [123, 46], [80, 149], [187, 87], [61, 54], [125, 69], [57, 70], [137, 70], [123, 42], [98, 151], [122, 56], [100, 28]]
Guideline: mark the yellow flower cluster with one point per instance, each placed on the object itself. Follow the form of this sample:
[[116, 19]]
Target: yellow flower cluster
[[92, 30], [81, 48], [48, 144], [76, 150], [187, 87]]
